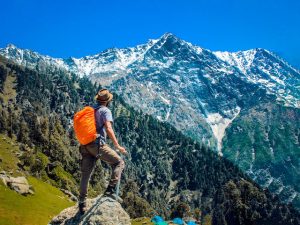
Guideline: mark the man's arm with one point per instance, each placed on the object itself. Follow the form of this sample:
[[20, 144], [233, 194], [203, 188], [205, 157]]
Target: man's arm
[[111, 134]]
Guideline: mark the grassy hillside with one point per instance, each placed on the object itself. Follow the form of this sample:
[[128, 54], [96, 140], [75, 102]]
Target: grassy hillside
[[36, 209], [8, 159], [142, 221]]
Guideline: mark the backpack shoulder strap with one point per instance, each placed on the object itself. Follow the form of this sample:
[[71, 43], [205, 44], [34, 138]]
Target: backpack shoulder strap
[[96, 107]]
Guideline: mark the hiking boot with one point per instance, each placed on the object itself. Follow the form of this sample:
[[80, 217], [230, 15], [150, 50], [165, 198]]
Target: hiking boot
[[109, 190], [115, 197], [82, 207], [111, 193]]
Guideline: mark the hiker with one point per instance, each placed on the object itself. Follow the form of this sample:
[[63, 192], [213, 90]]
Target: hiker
[[98, 149]]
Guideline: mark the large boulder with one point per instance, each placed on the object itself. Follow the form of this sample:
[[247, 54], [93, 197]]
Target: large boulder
[[101, 211], [18, 184]]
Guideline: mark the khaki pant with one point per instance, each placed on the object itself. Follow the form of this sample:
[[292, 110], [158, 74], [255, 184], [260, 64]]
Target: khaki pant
[[90, 153]]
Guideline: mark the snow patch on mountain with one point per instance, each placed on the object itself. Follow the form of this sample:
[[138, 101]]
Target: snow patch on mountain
[[219, 124], [113, 61], [264, 68], [241, 59], [168, 102]]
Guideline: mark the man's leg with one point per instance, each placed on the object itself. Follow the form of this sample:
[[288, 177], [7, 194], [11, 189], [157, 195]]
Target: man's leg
[[117, 163], [87, 165]]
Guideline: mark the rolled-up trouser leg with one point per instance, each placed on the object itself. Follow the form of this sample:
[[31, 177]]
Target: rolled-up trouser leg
[[87, 165], [117, 163]]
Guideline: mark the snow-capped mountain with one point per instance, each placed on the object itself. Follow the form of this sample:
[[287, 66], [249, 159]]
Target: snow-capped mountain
[[269, 71], [203, 93], [257, 65], [110, 64], [188, 71]]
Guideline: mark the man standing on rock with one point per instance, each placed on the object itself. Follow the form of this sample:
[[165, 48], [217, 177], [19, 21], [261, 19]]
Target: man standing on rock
[[98, 149]]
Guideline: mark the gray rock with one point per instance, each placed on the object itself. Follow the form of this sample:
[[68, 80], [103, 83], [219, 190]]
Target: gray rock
[[3, 178], [18, 184], [101, 211], [70, 195]]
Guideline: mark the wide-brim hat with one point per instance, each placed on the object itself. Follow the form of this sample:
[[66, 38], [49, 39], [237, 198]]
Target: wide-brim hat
[[104, 96]]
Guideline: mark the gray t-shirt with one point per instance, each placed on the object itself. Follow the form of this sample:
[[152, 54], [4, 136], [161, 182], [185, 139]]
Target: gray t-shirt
[[102, 115]]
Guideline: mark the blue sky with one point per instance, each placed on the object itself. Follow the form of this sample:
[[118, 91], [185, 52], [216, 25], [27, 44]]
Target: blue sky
[[83, 27]]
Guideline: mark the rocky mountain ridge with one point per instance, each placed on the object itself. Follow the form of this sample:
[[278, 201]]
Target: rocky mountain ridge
[[146, 70], [202, 93]]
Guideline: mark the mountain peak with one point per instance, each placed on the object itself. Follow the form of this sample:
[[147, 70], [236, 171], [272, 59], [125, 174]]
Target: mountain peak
[[169, 36], [260, 50], [11, 46]]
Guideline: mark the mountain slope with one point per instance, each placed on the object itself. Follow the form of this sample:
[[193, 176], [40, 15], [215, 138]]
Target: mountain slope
[[269, 71], [17, 209], [198, 91], [270, 134], [164, 164], [214, 86]]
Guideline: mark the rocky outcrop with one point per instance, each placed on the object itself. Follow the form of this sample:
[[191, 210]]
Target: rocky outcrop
[[101, 211], [18, 184], [71, 196]]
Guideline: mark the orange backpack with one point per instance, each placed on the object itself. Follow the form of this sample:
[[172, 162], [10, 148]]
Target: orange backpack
[[85, 125]]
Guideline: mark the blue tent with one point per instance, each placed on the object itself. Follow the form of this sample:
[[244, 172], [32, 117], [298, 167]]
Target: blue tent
[[157, 219], [178, 221], [161, 223]]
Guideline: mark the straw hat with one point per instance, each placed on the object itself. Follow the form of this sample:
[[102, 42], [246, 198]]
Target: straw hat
[[103, 96]]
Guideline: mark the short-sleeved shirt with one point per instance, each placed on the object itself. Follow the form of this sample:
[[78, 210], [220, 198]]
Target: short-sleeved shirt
[[102, 115]]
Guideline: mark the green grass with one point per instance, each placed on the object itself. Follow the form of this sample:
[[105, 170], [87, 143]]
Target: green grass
[[8, 158], [141, 221], [9, 91], [37, 209], [64, 179]]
